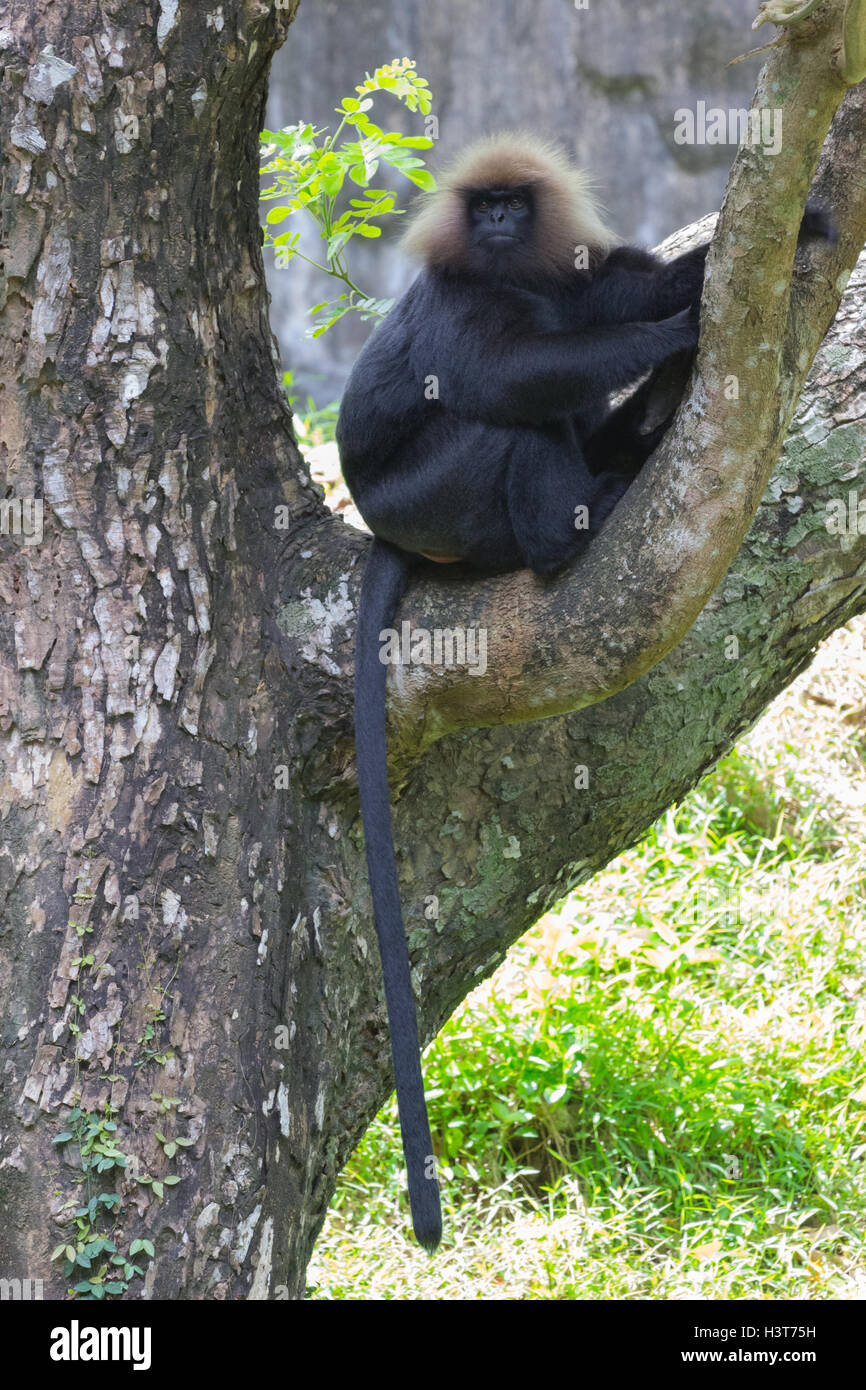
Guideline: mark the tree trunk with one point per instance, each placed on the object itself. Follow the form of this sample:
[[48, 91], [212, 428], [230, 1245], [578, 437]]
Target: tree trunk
[[187, 947]]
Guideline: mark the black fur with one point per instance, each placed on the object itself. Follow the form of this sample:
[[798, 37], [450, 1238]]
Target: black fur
[[493, 469], [474, 423]]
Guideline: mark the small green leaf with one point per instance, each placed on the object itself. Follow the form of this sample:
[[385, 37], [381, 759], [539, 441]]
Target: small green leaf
[[422, 177], [361, 173], [332, 183]]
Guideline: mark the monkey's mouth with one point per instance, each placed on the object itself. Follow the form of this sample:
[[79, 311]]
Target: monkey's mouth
[[499, 238]]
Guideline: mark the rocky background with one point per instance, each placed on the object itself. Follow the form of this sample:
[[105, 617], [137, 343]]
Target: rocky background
[[605, 80]]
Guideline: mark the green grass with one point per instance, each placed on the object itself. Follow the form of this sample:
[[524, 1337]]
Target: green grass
[[662, 1093]]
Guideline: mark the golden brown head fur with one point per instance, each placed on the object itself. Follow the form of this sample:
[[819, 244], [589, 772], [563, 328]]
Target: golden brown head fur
[[566, 214]]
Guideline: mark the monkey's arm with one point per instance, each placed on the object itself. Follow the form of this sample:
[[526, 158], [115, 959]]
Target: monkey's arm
[[543, 376], [634, 285]]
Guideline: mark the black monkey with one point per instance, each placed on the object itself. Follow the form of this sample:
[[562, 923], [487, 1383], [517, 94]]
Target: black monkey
[[475, 426]]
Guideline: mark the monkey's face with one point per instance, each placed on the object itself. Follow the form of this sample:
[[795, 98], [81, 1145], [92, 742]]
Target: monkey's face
[[500, 225]]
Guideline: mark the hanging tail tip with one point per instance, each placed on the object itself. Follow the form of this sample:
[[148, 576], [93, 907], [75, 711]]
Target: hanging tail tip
[[428, 1234], [426, 1214]]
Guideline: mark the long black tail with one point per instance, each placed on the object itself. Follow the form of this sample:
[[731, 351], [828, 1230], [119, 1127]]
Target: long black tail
[[384, 582]]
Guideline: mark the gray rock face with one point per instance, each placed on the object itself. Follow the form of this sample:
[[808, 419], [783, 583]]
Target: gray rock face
[[606, 81]]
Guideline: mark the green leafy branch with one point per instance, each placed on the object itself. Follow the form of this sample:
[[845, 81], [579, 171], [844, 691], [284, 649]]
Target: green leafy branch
[[311, 167]]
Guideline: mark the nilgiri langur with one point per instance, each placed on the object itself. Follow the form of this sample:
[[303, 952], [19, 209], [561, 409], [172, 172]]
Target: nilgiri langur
[[475, 427]]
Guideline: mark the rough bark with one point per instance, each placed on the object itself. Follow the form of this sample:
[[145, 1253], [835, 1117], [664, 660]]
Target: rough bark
[[142, 713], [177, 796]]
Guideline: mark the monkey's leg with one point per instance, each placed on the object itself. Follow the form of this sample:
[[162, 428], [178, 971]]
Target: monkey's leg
[[555, 505]]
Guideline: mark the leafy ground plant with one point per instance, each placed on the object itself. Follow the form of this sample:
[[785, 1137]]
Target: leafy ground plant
[[314, 171]]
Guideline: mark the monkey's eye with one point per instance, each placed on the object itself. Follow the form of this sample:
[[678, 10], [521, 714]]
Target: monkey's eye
[[483, 206], [516, 201]]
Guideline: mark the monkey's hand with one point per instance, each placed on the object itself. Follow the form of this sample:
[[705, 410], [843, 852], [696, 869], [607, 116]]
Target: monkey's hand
[[681, 330]]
